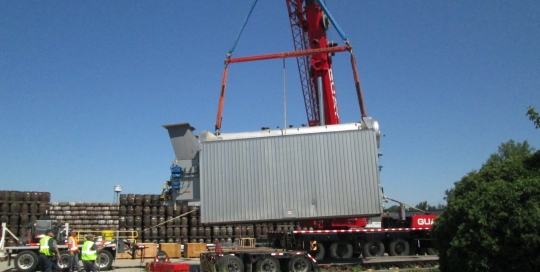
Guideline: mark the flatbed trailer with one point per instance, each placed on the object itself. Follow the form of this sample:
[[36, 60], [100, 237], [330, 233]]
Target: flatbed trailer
[[26, 257], [274, 260], [257, 259], [368, 242]]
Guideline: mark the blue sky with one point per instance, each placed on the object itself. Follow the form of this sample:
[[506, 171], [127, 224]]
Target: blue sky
[[86, 85]]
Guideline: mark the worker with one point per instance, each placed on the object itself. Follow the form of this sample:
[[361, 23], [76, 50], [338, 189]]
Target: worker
[[47, 250], [73, 247], [89, 254]]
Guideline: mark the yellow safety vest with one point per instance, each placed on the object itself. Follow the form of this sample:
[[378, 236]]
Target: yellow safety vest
[[44, 246], [87, 254]]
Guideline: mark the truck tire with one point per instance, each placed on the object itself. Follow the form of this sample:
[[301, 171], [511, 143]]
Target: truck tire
[[26, 260], [229, 263], [341, 250], [104, 260], [399, 247], [432, 251], [299, 264], [319, 253], [373, 248], [63, 262], [267, 264]]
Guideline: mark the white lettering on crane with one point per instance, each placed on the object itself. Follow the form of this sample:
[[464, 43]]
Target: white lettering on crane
[[334, 97], [425, 221]]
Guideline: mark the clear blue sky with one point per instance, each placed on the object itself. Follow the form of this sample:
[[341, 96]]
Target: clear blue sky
[[86, 85]]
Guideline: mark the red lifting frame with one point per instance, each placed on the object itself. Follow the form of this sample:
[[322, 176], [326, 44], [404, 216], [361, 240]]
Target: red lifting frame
[[291, 54]]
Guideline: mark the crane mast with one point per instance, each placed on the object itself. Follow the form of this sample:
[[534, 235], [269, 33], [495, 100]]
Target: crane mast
[[309, 20], [308, 26]]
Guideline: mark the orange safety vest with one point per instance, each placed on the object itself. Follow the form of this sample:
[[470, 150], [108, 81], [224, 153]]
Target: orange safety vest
[[73, 245]]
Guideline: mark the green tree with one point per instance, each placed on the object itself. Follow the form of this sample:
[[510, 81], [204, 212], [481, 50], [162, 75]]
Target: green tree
[[493, 214], [534, 116], [423, 206], [392, 209], [509, 150]]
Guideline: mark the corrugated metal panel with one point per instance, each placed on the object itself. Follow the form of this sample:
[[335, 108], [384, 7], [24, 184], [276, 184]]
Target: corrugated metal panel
[[333, 174]]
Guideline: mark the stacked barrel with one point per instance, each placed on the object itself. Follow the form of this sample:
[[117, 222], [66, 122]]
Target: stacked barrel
[[146, 214], [19, 209], [86, 215], [159, 223], [227, 234], [155, 222]]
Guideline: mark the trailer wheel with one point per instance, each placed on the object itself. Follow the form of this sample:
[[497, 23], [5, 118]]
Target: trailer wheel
[[299, 264], [399, 247], [230, 263], [374, 248], [341, 250], [26, 260], [267, 264], [63, 261], [432, 251], [319, 253], [104, 260]]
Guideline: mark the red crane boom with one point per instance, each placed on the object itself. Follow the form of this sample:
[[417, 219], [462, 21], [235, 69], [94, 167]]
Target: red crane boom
[[313, 52]]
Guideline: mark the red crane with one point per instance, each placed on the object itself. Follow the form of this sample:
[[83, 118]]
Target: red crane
[[313, 51]]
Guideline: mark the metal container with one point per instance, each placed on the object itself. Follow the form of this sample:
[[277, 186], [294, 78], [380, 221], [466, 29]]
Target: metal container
[[4, 208], [200, 231], [122, 221], [123, 199], [147, 199], [216, 231], [328, 172], [24, 208], [27, 196], [154, 199], [45, 197], [43, 207], [4, 195], [169, 210], [146, 210], [184, 231], [137, 222], [162, 231], [129, 221], [138, 199], [131, 199], [123, 210], [15, 207]]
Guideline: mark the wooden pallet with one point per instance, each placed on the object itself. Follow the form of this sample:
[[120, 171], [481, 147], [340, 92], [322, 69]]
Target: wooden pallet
[[193, 250]]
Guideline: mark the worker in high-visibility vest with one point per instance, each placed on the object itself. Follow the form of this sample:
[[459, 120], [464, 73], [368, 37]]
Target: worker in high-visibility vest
[[89, 254], [48, 251], [73, 248]]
